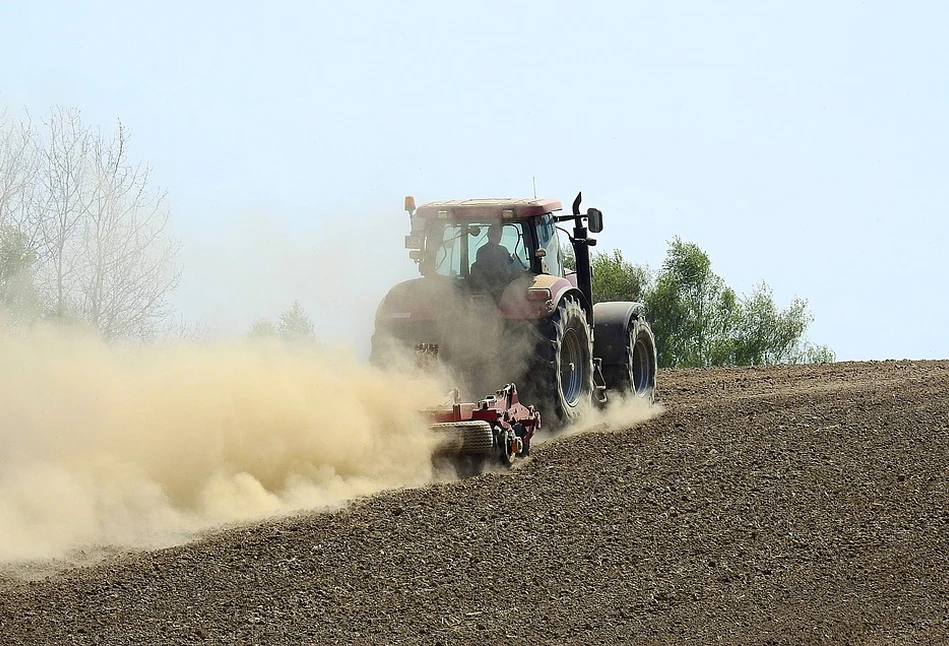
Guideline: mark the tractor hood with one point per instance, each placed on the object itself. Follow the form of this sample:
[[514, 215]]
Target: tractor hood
[[471, 329], [527, 297]]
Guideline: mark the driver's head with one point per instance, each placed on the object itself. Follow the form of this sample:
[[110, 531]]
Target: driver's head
[[494, 233]]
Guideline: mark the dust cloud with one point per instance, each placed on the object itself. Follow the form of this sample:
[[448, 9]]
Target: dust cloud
[[143, 445], [619, 414]]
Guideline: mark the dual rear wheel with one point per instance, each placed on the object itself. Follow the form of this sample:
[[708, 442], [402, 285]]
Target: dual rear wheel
[[561, 381], [637, 376]]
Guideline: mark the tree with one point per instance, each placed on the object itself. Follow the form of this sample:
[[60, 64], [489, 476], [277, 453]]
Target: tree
[[691, 308], [197, 332], [262, 329], [698, 320], [20, 177], [295, 325], [811, 353], [615, 279], [292, 326], [126, 269], [19, 299], [765, 334], [99, 233], [63, 158]]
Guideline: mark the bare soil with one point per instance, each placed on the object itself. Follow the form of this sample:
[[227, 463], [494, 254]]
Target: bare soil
[[805, 504]]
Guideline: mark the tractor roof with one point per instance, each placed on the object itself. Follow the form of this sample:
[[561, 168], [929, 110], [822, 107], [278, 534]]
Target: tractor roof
[[489, 208]]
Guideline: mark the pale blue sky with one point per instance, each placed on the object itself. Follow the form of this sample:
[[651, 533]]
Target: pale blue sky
[[800, 143]]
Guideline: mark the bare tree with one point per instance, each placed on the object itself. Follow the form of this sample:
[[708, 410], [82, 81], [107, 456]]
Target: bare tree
[[99, 233], [199, 332], [19, 177], [64, 160], [20, 222], [127, 269]]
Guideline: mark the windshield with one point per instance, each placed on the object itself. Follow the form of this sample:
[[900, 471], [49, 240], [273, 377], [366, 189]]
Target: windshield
[[450, 259]]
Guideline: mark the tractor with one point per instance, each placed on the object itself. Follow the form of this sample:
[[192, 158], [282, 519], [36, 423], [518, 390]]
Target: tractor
[[496, 303]]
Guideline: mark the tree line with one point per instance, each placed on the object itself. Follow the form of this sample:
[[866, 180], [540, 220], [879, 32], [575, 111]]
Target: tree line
[[292, 326], [698, 320], [86, 238]]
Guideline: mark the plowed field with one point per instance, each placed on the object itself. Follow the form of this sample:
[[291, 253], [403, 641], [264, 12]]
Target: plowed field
[[805, 504]]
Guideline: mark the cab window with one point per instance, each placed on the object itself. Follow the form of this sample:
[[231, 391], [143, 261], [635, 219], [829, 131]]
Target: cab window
[[549, 241], [444, 245], [512, 239]]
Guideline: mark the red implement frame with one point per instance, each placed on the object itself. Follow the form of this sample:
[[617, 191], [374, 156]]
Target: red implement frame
[[513, 422]]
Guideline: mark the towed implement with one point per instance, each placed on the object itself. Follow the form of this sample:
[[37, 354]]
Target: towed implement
[[497, 428]]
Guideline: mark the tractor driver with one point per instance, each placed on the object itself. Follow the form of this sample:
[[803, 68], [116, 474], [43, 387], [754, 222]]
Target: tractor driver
[[493, 258]]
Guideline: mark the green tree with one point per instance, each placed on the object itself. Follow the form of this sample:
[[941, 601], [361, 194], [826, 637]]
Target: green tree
[[693, 312], [292, 326], [262, 329], [615, 279], [19, 297], [569, 258], [765, 334], [295, 325], [811, 353], [699, 321]]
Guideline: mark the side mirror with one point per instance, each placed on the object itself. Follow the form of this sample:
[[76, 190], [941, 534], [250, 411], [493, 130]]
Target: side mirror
[[594, 220]]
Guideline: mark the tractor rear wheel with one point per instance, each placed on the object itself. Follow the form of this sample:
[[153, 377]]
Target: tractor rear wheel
[[638, 375], [561, 379]]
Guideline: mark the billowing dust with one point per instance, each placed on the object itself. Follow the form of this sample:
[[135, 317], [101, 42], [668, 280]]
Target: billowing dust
[[141, 445], [619, 414]]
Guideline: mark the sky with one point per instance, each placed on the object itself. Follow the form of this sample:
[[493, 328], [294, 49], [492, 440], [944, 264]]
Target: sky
[[804, 144]]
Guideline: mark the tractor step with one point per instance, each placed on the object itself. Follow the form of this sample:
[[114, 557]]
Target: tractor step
[[599, 381]]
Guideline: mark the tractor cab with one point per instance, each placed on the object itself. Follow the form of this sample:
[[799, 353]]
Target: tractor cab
[[485, 244]]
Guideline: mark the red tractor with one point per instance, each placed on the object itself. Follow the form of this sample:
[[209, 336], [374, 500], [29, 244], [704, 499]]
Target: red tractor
[[497, 304]]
